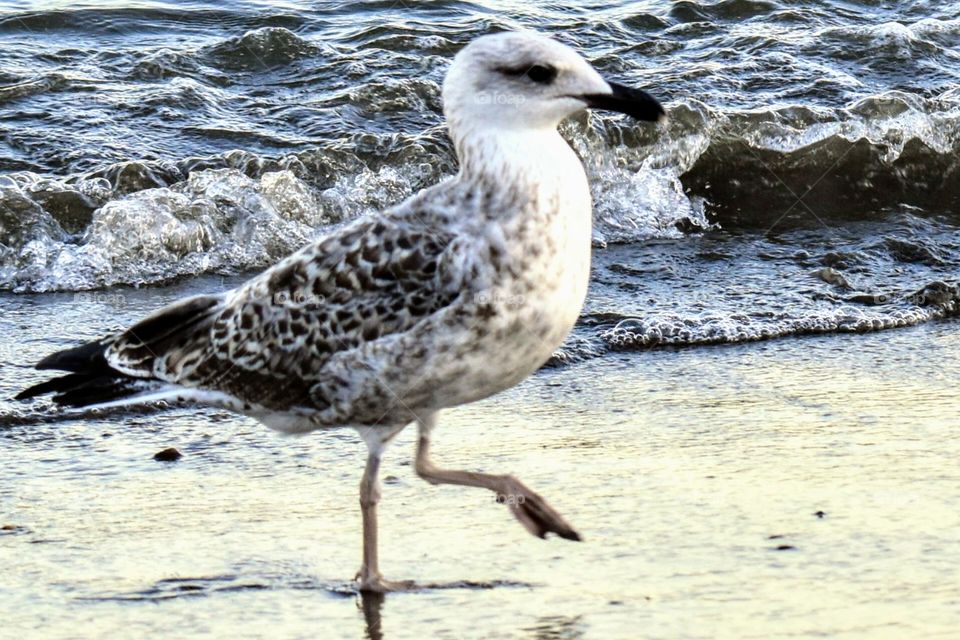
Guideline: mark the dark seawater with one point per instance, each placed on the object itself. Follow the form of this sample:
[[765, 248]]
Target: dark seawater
[[807, 181]]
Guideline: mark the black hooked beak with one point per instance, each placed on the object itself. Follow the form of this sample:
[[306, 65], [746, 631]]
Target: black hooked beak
[[633, 102]]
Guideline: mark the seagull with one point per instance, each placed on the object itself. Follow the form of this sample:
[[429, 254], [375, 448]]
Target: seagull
[[457, 293]]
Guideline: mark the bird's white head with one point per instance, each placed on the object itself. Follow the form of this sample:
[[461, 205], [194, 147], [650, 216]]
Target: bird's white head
[[523, 80]]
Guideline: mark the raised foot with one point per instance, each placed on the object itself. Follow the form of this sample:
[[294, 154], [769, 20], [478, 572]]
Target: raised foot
[[533, 512]]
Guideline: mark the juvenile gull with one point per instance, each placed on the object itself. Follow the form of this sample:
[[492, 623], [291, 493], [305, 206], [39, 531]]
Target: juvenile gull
[[459, 292]]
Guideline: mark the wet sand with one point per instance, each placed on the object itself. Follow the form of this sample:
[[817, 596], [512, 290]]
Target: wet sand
[[801, 487]]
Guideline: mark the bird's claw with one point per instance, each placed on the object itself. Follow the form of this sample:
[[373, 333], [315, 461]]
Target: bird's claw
[[370, 582], [533, 512]]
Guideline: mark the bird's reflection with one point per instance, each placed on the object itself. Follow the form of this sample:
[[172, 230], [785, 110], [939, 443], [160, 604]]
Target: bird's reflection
[[546, 627], [372, 605], [556, 628]]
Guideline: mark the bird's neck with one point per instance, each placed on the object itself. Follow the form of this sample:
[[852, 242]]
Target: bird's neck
[[532, 186], [536, 163]]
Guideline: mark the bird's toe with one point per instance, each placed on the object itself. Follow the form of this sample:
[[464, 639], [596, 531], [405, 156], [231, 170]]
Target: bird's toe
[[534, 513], [375, 583]]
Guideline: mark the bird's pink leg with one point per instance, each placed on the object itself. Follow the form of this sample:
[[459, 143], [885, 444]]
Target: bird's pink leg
[[533, 512], [369, 577]]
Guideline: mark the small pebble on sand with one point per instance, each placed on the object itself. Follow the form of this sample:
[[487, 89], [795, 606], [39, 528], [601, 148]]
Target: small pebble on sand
[[167, 455]]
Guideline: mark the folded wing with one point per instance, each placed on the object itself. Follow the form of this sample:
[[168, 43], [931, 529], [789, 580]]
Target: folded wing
[[263, 345]]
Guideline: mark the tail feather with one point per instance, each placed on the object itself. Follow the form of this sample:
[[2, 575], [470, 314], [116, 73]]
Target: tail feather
[[88, 388], [96, 391], [93, 380], [53, 385]]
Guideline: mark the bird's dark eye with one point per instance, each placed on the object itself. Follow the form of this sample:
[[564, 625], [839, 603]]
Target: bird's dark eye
[[539, 73], [542, 74]]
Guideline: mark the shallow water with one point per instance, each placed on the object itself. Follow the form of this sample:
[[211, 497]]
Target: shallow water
[[685, 470], [770, 332]]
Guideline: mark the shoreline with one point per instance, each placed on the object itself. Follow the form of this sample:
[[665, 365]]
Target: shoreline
[[695, 476]]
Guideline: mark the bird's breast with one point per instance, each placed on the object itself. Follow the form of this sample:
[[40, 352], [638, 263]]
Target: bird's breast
[[541, 280], [525, 271]]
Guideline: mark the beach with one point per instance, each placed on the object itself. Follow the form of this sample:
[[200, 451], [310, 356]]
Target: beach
[[804, 485]]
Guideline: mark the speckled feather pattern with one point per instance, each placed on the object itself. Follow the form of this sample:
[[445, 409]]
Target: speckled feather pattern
[[415, 309]]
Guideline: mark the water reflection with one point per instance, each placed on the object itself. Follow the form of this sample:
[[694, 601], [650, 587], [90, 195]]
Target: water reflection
[[557, 628], [372, 606]]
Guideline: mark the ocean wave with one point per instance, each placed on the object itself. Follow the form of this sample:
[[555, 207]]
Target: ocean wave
[[217, 220], [895, 39], [691, 11], [599, 334], [41, 84], [260, 48], [144, 222], [888, 149], [781, 166], [723, 328]]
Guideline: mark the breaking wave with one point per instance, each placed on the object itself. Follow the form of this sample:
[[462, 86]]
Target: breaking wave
[[145, 145], [143, 222]]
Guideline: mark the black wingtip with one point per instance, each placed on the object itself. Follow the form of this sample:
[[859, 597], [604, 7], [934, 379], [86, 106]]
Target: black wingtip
[[84, 389], [86, 357], [54, 384], [83, 363]]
